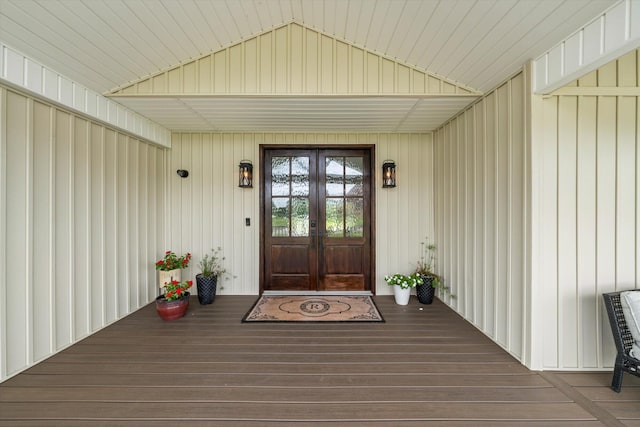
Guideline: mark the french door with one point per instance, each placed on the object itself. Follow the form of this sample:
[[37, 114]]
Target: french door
[[316, 219]]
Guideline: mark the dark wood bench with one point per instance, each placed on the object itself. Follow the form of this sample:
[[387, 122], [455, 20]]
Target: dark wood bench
[[623, 339]]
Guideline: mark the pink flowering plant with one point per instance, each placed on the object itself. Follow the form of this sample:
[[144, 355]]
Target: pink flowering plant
[[176, 290], [171, 261]]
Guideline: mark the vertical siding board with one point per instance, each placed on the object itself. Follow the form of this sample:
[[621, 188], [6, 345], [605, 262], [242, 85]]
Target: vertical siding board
[[235, 68], [63, 233], [97, 227], [141, 258], [3, 231], [372, 73], [606, 207], [503, 219], [327, 64], [461, 213], [549, 242], [17, 304], [42, 231], [122, 221], [357, 70], [220, 72], [491, 214], [205, 77], [296, 56], [190, 78], [586, 231], [281, 60], [567, 238], [81, 232], [111, 224], [311, 64], [479, 214], [251, 66], [342, 68], [625, 192], [470, 232], [517, 195]]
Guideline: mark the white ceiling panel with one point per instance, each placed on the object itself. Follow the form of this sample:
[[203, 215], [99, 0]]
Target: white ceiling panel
[[104, 44], [298, 113]]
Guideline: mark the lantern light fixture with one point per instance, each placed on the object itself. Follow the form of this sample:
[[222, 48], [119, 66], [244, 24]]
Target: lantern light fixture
[[245, 174], [388, 174]]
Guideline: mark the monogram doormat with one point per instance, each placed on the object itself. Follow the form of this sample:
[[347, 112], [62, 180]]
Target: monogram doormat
[[304, 308]]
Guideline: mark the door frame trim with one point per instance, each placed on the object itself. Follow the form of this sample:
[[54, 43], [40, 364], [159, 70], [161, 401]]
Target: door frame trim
[[262, 208]]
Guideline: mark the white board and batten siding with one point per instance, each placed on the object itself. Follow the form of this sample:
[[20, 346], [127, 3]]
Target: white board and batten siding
[[587, 223], [208, 209], [480, 164], [81, 216]]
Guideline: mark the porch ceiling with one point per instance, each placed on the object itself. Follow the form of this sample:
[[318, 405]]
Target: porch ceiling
[[310, 114], [104, 45]]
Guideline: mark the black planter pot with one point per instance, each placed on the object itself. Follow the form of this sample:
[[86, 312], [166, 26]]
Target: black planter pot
[[206, 288], [426, 291]]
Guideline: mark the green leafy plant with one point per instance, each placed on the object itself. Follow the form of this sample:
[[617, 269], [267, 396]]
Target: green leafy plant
[[171, 261], [212, 264], [404, 281], [175, 289], [427, 261]]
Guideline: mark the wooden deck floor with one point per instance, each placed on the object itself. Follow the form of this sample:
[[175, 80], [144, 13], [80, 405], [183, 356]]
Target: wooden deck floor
[[426, 367]]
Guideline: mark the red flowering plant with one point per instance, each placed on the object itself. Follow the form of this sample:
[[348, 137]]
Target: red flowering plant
[[171, 261], [175, 290]]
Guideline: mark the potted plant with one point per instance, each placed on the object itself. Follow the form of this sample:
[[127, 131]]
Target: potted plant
[[402, 285], [173, 302], [430, 280], [211, 268], [169, 267]]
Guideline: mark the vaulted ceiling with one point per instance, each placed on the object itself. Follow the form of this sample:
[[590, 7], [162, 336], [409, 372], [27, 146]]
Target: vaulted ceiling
[[106, 45]]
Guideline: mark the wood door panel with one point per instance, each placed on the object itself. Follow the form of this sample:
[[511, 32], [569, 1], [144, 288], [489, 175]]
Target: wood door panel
[[343, 260], [290, 259], [343, 282], [290, 282]]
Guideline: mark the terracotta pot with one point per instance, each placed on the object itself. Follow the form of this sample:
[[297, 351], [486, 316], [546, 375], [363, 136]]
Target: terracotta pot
[[171, 310]]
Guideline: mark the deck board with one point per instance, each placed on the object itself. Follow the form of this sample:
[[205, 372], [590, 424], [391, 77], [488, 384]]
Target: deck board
[[208, 368]]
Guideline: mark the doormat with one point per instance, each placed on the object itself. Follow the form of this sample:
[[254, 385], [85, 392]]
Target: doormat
[[304, 308]]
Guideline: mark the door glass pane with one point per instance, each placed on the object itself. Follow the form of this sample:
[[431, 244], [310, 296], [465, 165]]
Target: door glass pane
[[280, 176], [280, 216], [354, 176], [334, 226], [300, 217], [354, 217], [300, 176], [334, 172]]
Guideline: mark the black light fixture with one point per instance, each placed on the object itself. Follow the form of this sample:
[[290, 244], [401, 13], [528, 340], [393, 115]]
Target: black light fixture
[[388, 174], [245, 174], [182, 173]]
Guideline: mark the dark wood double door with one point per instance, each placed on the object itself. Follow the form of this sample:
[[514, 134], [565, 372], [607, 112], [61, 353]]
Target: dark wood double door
[[316, 216]]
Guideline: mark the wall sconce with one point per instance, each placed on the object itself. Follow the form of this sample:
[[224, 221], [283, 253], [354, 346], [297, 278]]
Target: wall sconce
[[388, 174], [245, 172], [182, 173]]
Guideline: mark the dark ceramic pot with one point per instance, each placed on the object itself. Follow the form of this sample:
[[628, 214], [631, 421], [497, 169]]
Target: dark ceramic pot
[[171, 310], [426, 291], [206, 288]]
